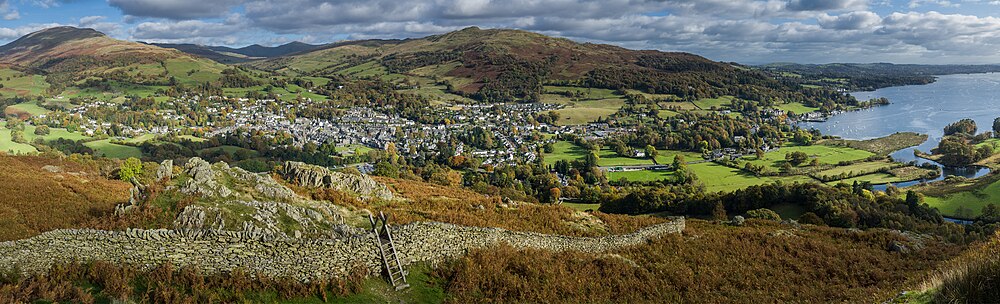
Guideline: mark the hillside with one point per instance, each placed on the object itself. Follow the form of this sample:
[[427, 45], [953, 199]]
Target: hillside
[[260, 51], [228, 55], [711, 261], [206, 52], [68, 56], [504, 65], [38, 194], [869, 76]]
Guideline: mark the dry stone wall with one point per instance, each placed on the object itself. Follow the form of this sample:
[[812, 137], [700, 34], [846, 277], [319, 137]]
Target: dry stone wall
[[278, 256]]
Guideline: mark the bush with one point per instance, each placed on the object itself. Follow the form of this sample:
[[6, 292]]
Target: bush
[[764, 214], [42, 130], [131, 168], [811, 219], [796, 158]]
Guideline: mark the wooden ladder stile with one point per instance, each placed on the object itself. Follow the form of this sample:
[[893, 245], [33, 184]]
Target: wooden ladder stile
[[387, 250]]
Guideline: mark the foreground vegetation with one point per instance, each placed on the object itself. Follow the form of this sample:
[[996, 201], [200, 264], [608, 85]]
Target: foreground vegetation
[[39, 194], [708, 263]]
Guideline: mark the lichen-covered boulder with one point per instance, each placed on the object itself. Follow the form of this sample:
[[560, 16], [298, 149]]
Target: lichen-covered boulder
[[319, 177]]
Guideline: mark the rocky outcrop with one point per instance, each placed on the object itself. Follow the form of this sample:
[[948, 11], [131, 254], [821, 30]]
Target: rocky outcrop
[[166, 170], [203, 179], [276, 255], [236, 199], [316, 177]]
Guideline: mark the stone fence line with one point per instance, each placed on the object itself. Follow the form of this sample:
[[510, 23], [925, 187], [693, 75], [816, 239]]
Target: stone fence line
[[214, 251]]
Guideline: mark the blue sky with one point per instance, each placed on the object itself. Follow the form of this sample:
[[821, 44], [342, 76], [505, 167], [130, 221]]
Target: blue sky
[[748, 31]]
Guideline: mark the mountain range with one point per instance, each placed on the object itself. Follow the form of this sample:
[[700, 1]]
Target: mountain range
[[230, 55], [69, 56], [488, 65]]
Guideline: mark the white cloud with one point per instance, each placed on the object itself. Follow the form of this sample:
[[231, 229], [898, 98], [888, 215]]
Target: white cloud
[[8, 12], [186, 29], [174, 9], [850, 21], [737, 30], [17, 32]]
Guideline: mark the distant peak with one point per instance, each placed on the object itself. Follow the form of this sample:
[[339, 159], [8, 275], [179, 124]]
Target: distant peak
[[70, 31], [50, 37]]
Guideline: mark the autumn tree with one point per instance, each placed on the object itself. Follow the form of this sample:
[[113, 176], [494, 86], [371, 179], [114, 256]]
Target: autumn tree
[[130, 169], [554, 194], [42, 130]]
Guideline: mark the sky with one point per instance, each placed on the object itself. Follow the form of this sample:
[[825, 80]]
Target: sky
[[745, 31]]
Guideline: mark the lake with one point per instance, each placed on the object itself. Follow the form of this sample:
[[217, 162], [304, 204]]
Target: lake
[[924, 109]]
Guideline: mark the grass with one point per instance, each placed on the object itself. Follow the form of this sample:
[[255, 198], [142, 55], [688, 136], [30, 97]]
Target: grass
[[21, 84], [205, 70], [7, 145], [667, 156], [355, 149], [582, 112], [640, 176], [880, 146], [857, 169], [716, 103], [291, 92], [970, 201], [54, 133], [594, 104], [582, 206], [105, 148], [192, 138], [682, 105], [651, 96], [28, 107], [826, 154], [667, 114], [564, 150], [973, 277], [437, 93], [795, 107], [719, 178], [587, 93], [874, 178]]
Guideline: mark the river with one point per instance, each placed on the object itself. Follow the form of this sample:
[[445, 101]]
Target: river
[[924, 109]]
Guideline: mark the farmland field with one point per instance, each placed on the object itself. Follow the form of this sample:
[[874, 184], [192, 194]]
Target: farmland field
[[362, 149], [874, 178], [796, 108], [859, 168], [717, 103], [640, 176], [16, 83], [594, 104], [826, 154], [105, 148], [564, 150], [971, 200], [9, 146], [28, 107], [54, 133], [721, 178]]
